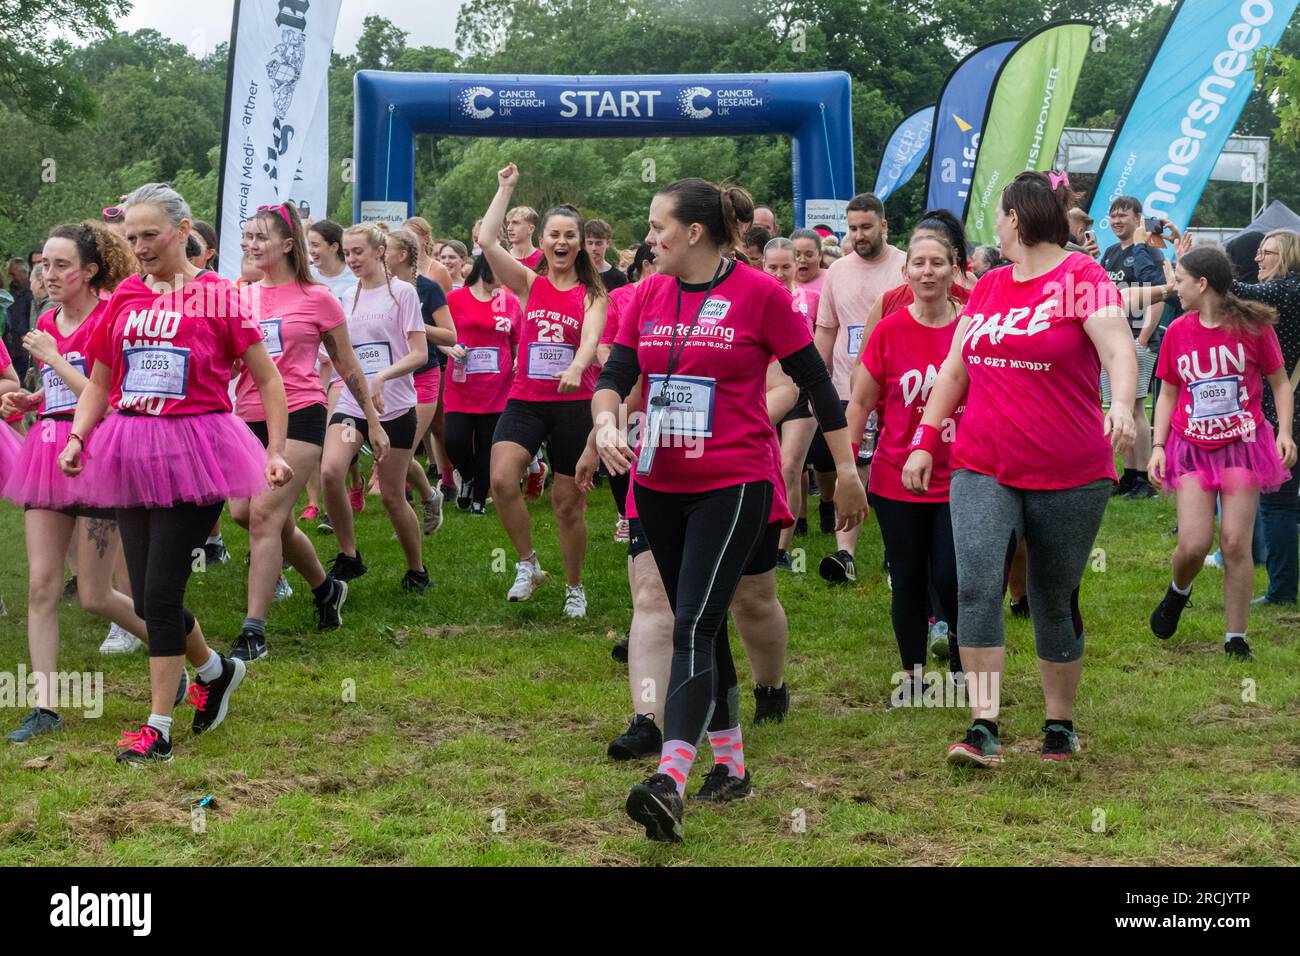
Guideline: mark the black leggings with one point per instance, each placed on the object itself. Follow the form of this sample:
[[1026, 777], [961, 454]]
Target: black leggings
[[922, 560], [160, 546], [702, 543], [618, 485], [468, 439]]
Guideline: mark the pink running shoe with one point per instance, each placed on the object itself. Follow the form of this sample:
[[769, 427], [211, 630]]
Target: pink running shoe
[[310, 513], [357, 498]]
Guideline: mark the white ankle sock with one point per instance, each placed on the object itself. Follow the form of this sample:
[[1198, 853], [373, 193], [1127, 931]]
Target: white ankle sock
[[161, 724], [1184, 593], [211, 668]]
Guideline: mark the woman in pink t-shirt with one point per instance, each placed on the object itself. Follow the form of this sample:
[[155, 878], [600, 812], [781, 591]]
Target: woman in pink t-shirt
[[1213, 446], [564, 305], [172, 453], [297, 315], [1034, 453]]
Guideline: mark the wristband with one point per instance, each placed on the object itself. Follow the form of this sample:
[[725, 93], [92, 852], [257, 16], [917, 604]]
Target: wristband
[[80, 441], [926, 438], [1158, 444]]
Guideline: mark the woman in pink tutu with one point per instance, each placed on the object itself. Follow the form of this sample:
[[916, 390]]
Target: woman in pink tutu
[[1212, 441], [10, 442], [82, 261], [172, 453]]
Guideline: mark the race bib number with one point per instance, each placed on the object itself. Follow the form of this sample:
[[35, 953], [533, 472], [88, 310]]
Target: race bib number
[[1214, 398], [155, 371], [58, 397], [271, 336], [547, 361], [484, 361], [855, 338], [690, 404], [374, 357]]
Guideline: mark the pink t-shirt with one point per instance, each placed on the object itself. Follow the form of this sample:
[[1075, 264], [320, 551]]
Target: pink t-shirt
[[549, 340], [293, 320], [59, 399], [904, 357], [532, 259], [380, 326], [815, 285], [489, 331], [716, 432], [806, 302], [171, 353], [617, 301], [850, 288], [1033, 414], [1219, 375]]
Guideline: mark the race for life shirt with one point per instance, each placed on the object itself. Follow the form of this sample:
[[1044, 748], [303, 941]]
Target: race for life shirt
[[489, 331], [904, 357], [380, 326], [549, 340], [1033, 414], [293, 318], [716, 431], [59, 399], [171, 353], [851, 287], [531, 259], [1219, 375]]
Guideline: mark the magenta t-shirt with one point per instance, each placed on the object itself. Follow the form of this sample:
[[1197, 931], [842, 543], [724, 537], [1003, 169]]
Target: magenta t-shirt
[[1219, 375], [904, 357], [617, 301], [171, 353], [379, 325], [548, 343], [489, 331], [1033, 415], [716, 432], [58, 398], [293, 319]]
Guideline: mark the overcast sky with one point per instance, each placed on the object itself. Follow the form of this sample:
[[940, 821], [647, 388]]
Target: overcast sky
[[201, 26]]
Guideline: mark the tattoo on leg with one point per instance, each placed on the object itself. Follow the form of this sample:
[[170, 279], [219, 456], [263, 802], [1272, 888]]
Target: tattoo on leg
[[99, 531]]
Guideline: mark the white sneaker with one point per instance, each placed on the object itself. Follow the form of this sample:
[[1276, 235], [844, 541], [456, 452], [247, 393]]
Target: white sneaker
[[120, 641], [528, 576], [433, 511], [575, 602], [282, 590], [621, 531]]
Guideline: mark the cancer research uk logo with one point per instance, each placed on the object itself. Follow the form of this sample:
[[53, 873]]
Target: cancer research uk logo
[[481, 103], [469, 103]]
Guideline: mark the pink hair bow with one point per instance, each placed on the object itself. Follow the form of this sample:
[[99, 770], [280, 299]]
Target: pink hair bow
[[1056, 179]]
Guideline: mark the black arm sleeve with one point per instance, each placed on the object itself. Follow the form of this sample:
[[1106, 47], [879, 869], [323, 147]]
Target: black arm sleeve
[[621, 371], [809, 373]]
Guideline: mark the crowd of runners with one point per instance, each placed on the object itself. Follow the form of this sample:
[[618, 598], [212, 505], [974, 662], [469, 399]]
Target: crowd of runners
[[716, 377]]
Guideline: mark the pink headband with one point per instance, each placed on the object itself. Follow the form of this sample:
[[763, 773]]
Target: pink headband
[[282, 211]]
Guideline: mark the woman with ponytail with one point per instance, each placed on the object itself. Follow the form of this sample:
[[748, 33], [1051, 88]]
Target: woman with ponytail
[[1213, 445]]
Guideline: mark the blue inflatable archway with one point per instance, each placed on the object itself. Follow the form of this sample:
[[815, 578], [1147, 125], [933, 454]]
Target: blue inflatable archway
[[392, 108]]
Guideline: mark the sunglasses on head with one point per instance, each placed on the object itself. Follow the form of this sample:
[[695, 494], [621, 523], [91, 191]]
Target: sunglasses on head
[[281, 210], [114, 213]]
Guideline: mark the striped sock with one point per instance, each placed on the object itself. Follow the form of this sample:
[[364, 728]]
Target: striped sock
[[675, 760], [728, 750]]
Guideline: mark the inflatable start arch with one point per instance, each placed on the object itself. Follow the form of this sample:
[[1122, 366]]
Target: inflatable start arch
[[392, 108]]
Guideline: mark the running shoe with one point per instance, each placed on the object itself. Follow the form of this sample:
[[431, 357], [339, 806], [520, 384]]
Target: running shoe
[[621, 531], [282, 589], [619, 651], [211, 700], [39, 722], [721, 787], [641, 739], [939, 640], [310, 513], [120, 641], [465, 495], [1239, 649], [249, 647], [536, 482], [1164, 619], [1141, 490], [329, 611], [1265, 601], [979, 748], [528, 577], [838, 568], [183, 687], [575, 602], [826, 515], [433, 512], [144, 746], [1020, 608], [448, 490], [478, 510], [771, 704], [70, 595], [1124, 485], [345, 568], [1058, 742], [1214, 560], [783, 562], [325, 526], [214, 552], [417, 582], [657, 806], [357, 498], [801, 527]]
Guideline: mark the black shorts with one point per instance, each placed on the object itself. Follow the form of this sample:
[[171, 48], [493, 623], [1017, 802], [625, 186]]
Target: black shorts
[[819, 453], [400, 430], [564, 426], [305, 425], [802, 409], [81, 511], [764, 558], [636, 539]]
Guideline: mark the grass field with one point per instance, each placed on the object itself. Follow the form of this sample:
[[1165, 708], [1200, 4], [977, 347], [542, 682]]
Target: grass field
[[469, 711]]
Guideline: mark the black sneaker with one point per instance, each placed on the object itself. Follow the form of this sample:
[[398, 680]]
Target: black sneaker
[[1020, 608], [1058, 742], [144, 746], [1164, 619], [826, 515], [211, 700], [70, 595], [345, 568], [214, 552], [1123, 486], [1140, 490], [1239, 649], [721, 787], [249, 647], [771, 704], [656, 805], [329, 612], [801, 527], [783, 561], [838, 568], [478, 510], [619, 651], [417, 582], [641, 739], [466, 494]]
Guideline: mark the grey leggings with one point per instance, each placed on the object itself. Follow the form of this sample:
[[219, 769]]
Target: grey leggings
[[1059, 527]]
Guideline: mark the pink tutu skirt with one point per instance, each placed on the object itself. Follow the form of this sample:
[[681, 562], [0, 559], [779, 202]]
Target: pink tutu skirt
[[1235, 466], [36, 480], [11, 445], [148, 461]]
